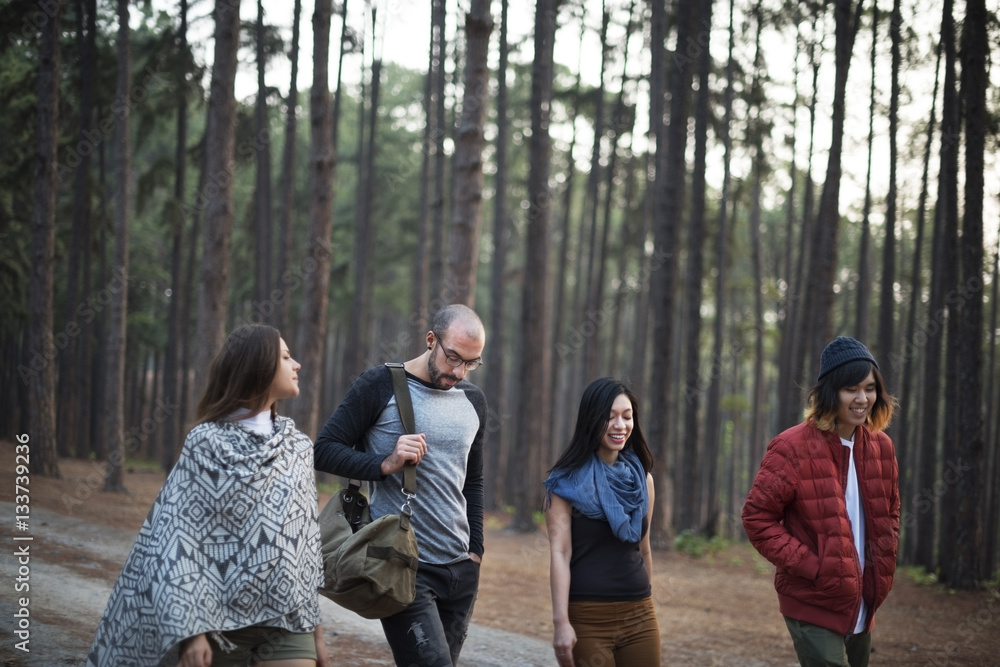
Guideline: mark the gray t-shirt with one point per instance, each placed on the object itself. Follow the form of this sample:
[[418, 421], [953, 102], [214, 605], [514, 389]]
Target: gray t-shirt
[[448, 508]]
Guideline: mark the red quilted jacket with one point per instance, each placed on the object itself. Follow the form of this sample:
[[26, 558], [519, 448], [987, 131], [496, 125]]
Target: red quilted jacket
[[796, 517]]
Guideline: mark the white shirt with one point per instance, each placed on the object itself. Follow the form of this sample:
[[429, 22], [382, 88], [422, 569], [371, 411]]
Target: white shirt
[[259, 423], [856, 515]]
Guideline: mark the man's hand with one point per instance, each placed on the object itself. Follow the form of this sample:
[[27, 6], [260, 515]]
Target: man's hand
[[409, 447]]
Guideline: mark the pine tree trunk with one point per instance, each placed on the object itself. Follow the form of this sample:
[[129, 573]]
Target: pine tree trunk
[[114, 398], [864, 290], [947, 206], [262, 192], [534, 396], [467, 205], [823, 254], [286, 186], [322, 163], [213, 297], [172, 371], [495, 371], [963, 506], [671, 142], [908, 447], [42, 381], [438, 292], [690, 507], [887, 300], [713, 413]]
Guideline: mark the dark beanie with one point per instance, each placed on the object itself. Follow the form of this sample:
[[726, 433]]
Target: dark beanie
[[841, 350]]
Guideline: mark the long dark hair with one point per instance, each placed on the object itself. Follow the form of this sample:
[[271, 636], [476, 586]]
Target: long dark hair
[[592, 423], [241, 374], [824, 399]]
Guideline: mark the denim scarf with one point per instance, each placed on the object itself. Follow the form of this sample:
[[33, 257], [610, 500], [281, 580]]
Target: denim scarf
[[615, 493]]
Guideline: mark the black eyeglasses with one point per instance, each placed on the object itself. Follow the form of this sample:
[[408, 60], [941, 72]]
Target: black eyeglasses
[[455, 361]]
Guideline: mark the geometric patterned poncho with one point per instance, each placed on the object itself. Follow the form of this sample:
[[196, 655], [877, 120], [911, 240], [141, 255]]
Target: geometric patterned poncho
[[232, 540]]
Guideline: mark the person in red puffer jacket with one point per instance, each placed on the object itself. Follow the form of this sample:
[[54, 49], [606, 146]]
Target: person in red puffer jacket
[[824, 510]]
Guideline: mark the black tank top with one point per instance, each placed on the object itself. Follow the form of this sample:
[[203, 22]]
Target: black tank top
[[603, 568]]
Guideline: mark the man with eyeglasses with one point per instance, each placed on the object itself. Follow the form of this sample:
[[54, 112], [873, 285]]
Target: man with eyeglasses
[[365, 439]]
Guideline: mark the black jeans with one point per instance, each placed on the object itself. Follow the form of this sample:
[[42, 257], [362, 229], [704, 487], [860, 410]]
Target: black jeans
[[431, 631]]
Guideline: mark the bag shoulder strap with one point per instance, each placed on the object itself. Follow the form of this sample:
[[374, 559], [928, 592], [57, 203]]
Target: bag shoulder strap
[[401, 389]]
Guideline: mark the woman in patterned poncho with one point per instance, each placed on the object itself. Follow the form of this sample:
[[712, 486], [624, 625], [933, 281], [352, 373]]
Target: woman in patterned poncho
[[226, 566]]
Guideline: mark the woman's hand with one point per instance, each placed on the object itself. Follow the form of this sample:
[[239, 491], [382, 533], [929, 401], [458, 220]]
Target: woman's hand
[[563, 641], [195, 652], [322, 658]]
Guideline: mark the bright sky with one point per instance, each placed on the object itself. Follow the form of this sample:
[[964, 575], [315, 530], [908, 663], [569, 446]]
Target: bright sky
[[402, 37]]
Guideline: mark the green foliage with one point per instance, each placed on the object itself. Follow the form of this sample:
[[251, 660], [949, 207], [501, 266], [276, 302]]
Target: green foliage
[[920, 576], [694, 545]]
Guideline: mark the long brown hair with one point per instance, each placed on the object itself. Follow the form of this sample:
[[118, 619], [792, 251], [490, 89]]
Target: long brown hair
[[241, 374], [592, 422]]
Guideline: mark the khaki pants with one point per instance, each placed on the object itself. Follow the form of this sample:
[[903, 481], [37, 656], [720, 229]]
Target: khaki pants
[[615, 634]]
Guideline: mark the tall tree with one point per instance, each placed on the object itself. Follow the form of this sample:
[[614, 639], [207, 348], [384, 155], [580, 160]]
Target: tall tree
[[495, 372], [364, 234], [963, 505], [595, 251], [909, 447], [171, 371], [466, 209], [322, 163], [689, 489], [887, 300], [671, 143], [76, 360], [533, 372], [947, 207], [864, 290], [823, 254], [713, 430], [42, 382], [286, 186], [263, 231], [213, 306], [114, 396], [439, 43]]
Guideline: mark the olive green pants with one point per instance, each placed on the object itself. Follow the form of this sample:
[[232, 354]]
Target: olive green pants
[[258, 644], [819, 647]]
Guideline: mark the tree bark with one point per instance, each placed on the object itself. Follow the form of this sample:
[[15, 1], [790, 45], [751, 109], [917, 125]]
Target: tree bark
[[495, 371], [713, 431], [671, 142], [534, 397], [114, 403], [467, 205], [42, 382], [862, 324], [263, 230], [172, 371], [689, 507], [213, 297], [322, 163], [823, 255], [963, 506], [286, 186], [947, 206]]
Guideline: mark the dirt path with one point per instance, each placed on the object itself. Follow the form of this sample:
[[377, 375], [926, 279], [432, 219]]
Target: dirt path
[[719, 610]]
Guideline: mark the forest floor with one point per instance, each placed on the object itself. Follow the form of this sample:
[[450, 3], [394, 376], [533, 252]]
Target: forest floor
[[719, 609]]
